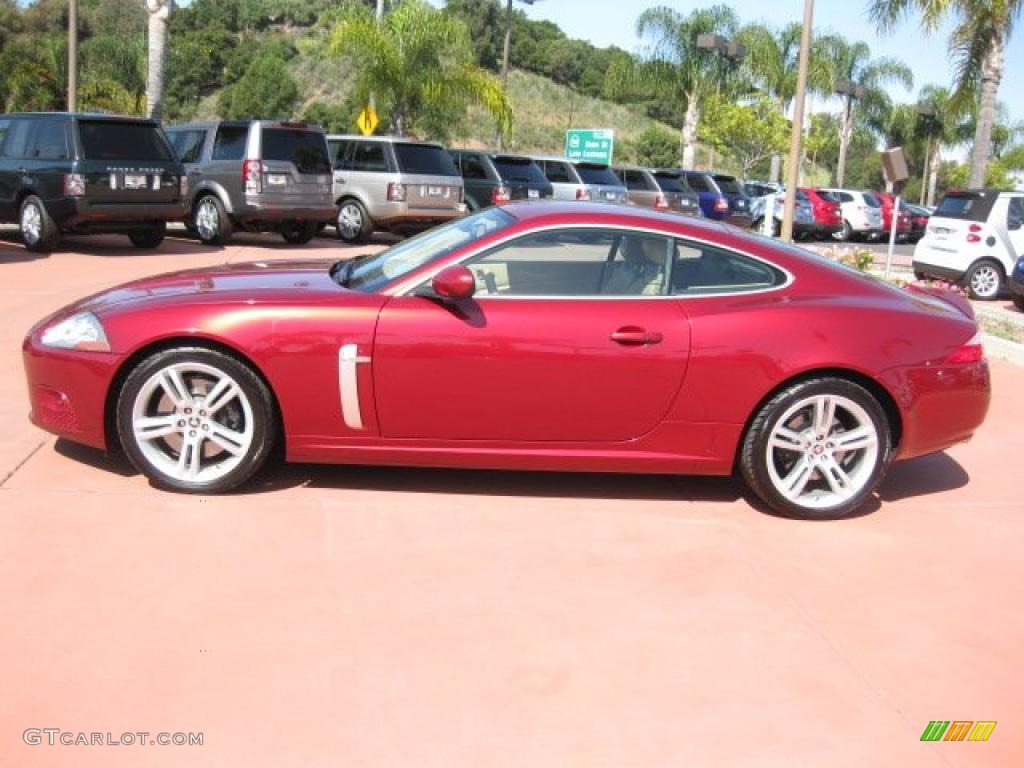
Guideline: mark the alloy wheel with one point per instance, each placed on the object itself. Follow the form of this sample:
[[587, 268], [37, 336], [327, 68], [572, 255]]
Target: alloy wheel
[[31, 224], [985, 281], [207, 220], [350, 221]]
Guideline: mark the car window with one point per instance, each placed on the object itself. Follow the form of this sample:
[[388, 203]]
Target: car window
[[700, 269], [123, 140], [16, 138], [306, 150], [557, 173], [728, 185], [672, 183], [597, 174], [583, 262], [1015, 213], [472, 168], [637, 180], [871, 201], [424, 159], [802, 196], [969, 206], [367, 156], [511, 168], [229, 144], [188, 144], [698, 181], [49, 141]]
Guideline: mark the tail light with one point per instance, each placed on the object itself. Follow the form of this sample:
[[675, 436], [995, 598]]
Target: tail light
[[501, 194], [661, 202], [973, 236], [971, 351], [252, 175], [582, 193], [74, 185], [396, 192], [183, 185], [721, 204]]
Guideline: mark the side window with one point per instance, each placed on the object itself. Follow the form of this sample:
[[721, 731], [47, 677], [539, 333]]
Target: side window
[[368, 156], [575, 262], [17, 138], [50, 141], [699, 269], [1015, 213], [472, 168], [230, 142], [188, 145], [557, 173], [339, 151]]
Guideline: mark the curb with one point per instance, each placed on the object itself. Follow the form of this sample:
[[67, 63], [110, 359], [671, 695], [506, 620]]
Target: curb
[[1002, 349]]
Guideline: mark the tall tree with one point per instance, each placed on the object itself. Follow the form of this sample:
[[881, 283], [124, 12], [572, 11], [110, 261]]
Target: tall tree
[[159, 20], [978, 46], [853, 62], [418, 59]]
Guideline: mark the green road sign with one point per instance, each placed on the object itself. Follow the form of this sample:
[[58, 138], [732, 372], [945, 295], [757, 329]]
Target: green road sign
[[594, 145]]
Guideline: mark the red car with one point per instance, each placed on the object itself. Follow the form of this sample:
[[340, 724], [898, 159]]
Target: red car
[[904, 223], [828, 215], [532, 336]]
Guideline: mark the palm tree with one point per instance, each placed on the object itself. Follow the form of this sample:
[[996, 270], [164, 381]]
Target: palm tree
[[159, 19], [853, 62], [947, 127], [772, 60], [418, 59], [978, 46], [676, 64]]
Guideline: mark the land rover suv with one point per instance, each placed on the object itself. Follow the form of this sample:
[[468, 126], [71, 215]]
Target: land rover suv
[[392, 184], [256, 176], [80, 174]]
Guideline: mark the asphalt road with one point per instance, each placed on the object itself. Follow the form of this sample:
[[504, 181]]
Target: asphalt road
[[387, 617]]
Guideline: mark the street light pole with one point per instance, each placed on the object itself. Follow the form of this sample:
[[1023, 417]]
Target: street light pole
[[72, 55], [504, 58], [797, 133]]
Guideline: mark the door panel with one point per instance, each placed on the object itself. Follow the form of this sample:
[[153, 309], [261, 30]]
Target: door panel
[[527, 370]]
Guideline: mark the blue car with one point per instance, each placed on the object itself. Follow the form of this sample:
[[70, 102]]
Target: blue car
[[721, 197], [1016, 284]]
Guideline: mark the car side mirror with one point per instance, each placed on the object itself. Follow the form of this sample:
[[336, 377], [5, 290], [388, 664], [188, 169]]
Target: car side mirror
[[454, 283]]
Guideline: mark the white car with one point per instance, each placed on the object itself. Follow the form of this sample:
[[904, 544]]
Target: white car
[[862, 214], [975, 237]]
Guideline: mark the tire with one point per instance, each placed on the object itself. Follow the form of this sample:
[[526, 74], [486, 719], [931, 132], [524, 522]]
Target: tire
[[149, 238], [300, 232], [353, 223], [815, 478], [211, 221], [1018, 302], [844, 234], [39, 232], [984, 280], [170, 437]]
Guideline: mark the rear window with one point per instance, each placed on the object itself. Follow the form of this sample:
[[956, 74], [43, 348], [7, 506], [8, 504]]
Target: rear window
[[872, 201], [963, 206], [729, 185], [519, 169], [424, 159], [597, 174], [671, 183], [118, 140], [307, 150]]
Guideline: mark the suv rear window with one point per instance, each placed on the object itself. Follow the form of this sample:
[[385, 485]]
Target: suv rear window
[[597, 174], [519, 169], [425, 159], [728, 185], [307, 150], [964, 205], [872, 201], [670, 182], [121, 140]]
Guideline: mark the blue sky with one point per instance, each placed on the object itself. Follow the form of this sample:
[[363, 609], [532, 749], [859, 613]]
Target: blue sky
[[612, 22]]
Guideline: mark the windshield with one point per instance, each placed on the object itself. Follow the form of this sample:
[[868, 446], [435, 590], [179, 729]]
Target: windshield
[[371, 273], [598, 174], [122, 140], [519, 169], [424, 159], [307, 150]]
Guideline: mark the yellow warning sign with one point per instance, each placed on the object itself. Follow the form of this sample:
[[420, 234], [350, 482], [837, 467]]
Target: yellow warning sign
[[367, 120]]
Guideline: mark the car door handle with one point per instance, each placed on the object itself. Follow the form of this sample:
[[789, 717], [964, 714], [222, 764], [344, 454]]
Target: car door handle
[[631, 335]]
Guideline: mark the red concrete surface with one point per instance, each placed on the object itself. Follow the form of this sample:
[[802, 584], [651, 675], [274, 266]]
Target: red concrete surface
[[352, 616]]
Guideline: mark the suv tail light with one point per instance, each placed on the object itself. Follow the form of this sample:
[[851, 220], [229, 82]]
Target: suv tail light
[[252, 175], [661, 203], [721, 204], [973, 236], [74, 185], [183, 185], [970, 351], [396, 192], [501, 194]]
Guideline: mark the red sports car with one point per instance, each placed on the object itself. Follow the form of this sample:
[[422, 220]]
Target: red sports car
[[572, 336]]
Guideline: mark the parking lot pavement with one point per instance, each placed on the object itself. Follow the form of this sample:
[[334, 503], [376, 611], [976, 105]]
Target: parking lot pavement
[[369, 616]]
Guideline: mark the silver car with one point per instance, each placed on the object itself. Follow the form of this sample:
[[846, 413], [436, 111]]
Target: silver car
[[392, 184], [581, 180], [257, 176], [663, 190]]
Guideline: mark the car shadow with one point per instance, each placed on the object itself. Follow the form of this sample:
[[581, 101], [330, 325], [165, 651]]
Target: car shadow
[[13, 251]]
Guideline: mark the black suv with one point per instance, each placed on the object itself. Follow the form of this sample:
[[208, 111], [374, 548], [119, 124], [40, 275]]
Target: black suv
[[496, 177], [86, 174]]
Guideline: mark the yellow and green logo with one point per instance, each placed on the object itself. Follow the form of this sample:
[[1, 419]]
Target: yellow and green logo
[[958, 730]]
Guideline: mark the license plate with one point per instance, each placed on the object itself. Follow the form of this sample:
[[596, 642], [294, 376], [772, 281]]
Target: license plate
[[610, 196], [741, 204], [941, 234], [533, 193], [277, 179], [134, 182], [435, 191]]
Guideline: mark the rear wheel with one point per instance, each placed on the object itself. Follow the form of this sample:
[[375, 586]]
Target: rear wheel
[[149, 238], [299, 232], [196, 420], [817, 449], [843, 234], [353, 222], [211, 221], [984, 280], [39, 231]]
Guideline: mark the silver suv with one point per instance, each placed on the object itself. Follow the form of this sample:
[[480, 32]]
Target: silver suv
[[257, 176], [581, 180], [393, 184]]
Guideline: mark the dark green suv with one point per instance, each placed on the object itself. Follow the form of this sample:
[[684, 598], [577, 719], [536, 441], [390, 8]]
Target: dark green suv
[[87, 174]]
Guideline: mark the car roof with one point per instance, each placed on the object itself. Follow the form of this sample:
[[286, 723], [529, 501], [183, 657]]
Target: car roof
[[614, 214], [86, 115], [386, 139]]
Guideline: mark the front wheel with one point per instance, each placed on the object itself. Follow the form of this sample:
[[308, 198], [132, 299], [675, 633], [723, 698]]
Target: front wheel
[[353, 222], [984, 280], [196, 420], [817, 449], [211, 221], [39, 232]]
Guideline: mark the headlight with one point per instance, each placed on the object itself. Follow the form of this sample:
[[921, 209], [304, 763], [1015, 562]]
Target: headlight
[[82, 331]]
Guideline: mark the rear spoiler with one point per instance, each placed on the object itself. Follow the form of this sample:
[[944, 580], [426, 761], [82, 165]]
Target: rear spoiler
[[950, 297]]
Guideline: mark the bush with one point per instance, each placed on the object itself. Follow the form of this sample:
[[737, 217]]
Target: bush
[[266, 90]]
